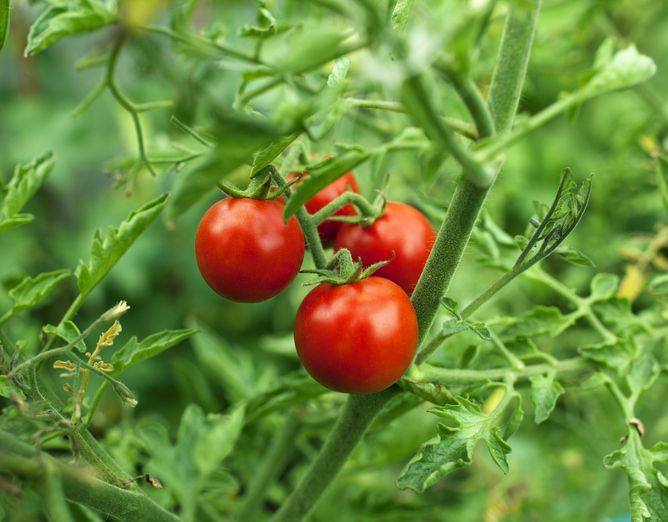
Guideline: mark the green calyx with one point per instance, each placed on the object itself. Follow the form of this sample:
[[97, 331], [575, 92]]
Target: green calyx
[[263, 185], [342, 270]]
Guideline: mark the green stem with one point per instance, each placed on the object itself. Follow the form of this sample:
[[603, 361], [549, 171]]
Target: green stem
[[53, 498], [69, 314], [366, 209], [357, 414], [472, 98], [453, 236], [458, 376], [94, 405], [514, 361], [512, 62], [80, 486], [461, 127], [272, 464]]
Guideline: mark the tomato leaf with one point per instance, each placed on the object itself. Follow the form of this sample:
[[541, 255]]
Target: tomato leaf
[[65, 19], [659, 285], [574, 256], [107, 250], [271, 151], [454, 445], [21, 187], [541, 320], [623, 69], [603, 286], [135, 351], [67, 331], [33, 290], [545, 390]]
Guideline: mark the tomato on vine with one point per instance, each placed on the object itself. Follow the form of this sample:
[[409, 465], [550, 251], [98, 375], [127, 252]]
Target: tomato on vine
[[357, 337], [401, 234], [328, 229], [244, 250]]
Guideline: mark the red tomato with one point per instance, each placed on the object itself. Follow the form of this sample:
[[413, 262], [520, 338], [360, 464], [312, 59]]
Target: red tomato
[[244, 250], [401, 230], [328, 229], [358, 337]]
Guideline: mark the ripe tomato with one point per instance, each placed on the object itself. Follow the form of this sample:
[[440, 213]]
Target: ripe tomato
[[244, 250], [401, 230], [358, 337], [328, 229]]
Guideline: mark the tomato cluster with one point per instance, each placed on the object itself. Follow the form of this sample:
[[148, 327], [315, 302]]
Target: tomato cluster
[[356, 337]]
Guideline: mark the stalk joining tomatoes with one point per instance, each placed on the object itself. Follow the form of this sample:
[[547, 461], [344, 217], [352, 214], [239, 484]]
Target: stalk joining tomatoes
[[328, 229], [402, 232], [244, 250], [358, 337]]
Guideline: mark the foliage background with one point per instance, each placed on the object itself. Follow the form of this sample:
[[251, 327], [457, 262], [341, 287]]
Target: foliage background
[[556, 467]]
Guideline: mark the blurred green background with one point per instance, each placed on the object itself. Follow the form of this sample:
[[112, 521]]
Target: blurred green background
[[556, 468]]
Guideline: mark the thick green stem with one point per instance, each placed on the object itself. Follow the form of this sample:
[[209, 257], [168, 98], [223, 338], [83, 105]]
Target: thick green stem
[[512, 62], [355, 417], [272, 465], [366, 209]]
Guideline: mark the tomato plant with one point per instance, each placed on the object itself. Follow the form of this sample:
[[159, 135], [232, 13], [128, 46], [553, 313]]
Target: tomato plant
[[358, 337], [401, 235], [244, 250]]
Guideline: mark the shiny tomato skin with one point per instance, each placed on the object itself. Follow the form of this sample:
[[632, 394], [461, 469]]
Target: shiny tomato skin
[[358, 337], [401, 230], [244, 250], [328, 229]]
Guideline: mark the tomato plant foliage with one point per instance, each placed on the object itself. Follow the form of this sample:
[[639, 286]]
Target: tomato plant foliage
[[521, 372]]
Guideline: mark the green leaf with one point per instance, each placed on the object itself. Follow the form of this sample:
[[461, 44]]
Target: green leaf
[[453, 447], [237, 139], [107, 250], [545, 390], [321, 175], [8, 389], [642, 373], [624, 69], [574, 256], [4, 21], [270, 152], [603, 286], [19, 219], [659, 285], [648, 494], [69, 18], [617, 314], [217, 442], [308, 47], [67, 331], [134, 351], [32, 290], [542, 320], [23, 185], [450, 305], [616, 354]]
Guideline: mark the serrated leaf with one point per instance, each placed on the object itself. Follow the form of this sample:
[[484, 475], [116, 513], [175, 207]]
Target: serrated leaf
[[617, 354], [322, 174], [545, 390], [32, 290], [25, 181], [453, 447], [541, 320], [135, 351], [72, 17], [270, 152], [643, 372], [107, 249], [626, 68], [574, 256], [648, 496], [617, 314], [450, 305], [67, 331], [603, 286]]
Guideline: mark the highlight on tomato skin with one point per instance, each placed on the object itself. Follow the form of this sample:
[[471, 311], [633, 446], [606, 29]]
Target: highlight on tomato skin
[[244, 250], [328, 229], [358, 337], [402, 234]]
